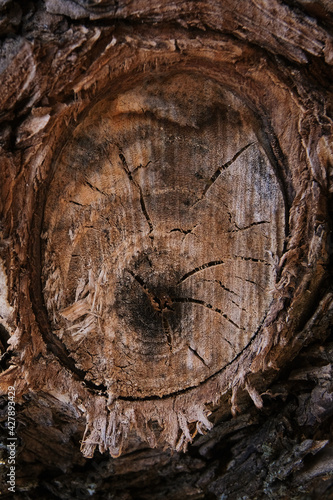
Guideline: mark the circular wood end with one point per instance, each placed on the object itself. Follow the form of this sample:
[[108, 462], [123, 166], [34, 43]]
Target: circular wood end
[[161, 231]]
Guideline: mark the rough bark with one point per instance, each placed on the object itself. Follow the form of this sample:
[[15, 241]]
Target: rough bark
[[166, 210]]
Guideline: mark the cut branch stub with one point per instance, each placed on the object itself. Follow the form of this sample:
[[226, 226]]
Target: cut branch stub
[[162, 227]]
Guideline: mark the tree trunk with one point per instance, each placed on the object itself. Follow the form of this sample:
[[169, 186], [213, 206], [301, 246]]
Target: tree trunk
[[166, 208]]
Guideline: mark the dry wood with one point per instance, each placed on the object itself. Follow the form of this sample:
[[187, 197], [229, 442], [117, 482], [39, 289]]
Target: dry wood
[[160, 252], [166, 194]]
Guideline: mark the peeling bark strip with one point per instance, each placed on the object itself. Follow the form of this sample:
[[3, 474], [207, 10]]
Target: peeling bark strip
[[165, 200]]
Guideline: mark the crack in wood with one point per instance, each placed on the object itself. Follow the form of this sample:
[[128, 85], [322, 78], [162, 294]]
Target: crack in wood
[[250, 281], [218, 172], [193, 351], [252, 259], [158, 303], [249, 226], [200, 384], [237, 305], [76, 203], [140, 166], [138, 187], [200, 268], [95, 188], [153, 300], [183, 231], [230, 344], [184, 300], [222, 286], [227, 290]]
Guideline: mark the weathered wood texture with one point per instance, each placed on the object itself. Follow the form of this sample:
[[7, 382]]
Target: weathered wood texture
[[166, 212], [159, 255]]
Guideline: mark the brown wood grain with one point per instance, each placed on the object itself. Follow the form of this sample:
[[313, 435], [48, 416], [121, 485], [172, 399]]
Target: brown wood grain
[[160, 252], [166, 254]]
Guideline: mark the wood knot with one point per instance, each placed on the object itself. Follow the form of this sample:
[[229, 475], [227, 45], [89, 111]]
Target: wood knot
[[160, 258]]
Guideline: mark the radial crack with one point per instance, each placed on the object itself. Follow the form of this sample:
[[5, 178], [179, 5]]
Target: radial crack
[[218, 172], [183, 231], [145, 213], [252, 259], [227, 290], [95, 188], [228, 342], [222, 286], [138, 187], [153, 300], [200, 268], [250, 281], [249, 226], [198, 356], [158, 303], [77, 203], [184, 300], [140, 166]]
